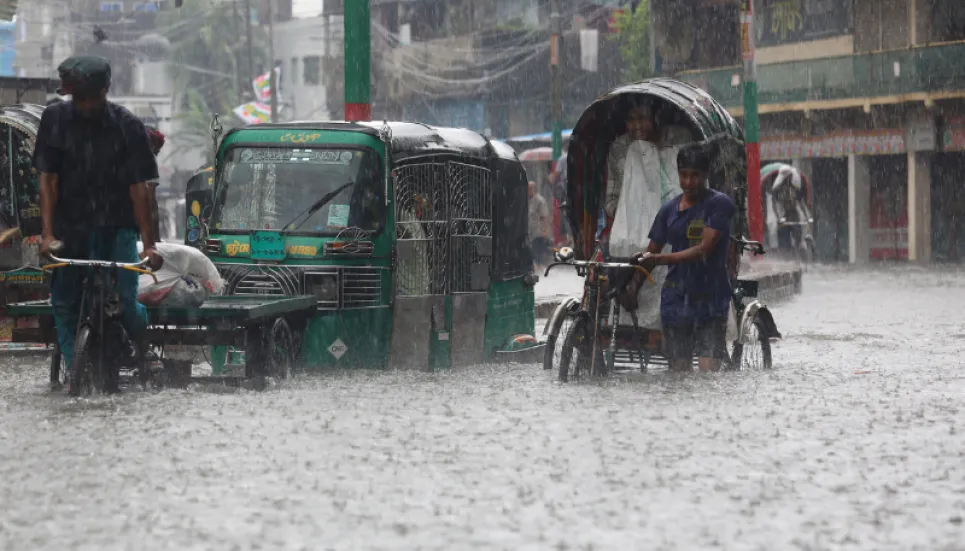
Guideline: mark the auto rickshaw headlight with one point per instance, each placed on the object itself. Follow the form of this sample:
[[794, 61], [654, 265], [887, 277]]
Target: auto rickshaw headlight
[[323, 286]]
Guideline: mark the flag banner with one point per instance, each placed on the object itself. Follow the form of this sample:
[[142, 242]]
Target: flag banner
[[262, 86], [254, 112]]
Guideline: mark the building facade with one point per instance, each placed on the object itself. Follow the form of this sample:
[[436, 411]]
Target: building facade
[[867, 96], [486, 65]]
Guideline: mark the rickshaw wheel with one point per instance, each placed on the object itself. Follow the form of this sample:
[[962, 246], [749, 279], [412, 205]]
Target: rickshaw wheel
[[579, 340], [85, 377], [58, 369], [807, 251], [556, 336], [280, 351], [755, 352]]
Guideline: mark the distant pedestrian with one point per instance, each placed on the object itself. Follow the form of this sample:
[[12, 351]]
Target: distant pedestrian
[[539, 227]]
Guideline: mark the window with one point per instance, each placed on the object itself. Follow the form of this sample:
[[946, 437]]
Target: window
[[146, 6], [112, 6], [312, 69], [272, 188]]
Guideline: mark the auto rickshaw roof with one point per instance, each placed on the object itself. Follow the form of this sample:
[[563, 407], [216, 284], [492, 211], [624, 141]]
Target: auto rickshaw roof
[[409, 139]]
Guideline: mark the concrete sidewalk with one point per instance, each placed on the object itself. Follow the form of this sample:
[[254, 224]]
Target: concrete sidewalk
[[778, 280]]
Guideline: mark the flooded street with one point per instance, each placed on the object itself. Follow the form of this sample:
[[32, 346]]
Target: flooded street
[[854, 441]]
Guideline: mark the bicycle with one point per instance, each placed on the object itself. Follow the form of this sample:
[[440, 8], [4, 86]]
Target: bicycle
[[802, 242], [100, 335]]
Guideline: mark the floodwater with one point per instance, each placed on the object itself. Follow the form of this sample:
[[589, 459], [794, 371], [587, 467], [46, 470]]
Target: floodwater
[[854, 441]]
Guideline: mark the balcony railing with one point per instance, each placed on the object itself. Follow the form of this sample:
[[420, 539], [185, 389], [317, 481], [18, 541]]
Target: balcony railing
[[933, 68]]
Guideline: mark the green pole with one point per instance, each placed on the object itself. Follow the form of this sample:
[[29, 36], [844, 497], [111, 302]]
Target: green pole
[[752, 125], [358, 51]]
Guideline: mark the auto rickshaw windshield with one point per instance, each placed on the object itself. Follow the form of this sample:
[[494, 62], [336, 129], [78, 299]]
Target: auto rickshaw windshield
[[269, 187]]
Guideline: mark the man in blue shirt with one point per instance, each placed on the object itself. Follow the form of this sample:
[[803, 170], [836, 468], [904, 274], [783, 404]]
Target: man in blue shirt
[[695, 300]]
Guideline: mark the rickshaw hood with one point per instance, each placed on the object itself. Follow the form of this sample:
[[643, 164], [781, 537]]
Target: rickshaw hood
[[601, 123]]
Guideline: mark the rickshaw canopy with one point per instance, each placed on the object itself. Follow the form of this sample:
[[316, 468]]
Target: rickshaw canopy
[[677, 105]]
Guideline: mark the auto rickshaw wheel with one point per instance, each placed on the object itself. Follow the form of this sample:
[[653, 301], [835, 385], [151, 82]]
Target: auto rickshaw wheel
[[754, 353], [280, 352]]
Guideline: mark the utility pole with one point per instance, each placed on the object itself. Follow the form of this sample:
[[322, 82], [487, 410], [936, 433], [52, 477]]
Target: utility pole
[[272, 73], [358, 62], [251, 57], [752, 125], [556, 31]]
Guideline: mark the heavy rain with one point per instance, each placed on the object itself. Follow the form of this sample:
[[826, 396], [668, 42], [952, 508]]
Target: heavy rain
[[491, 274]]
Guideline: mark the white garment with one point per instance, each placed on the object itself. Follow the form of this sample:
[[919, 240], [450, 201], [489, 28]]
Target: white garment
[[649, 180]]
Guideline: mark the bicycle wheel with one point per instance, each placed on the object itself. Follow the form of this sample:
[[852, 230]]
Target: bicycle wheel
[[577, 348], [754, 351], [808, 250], [557, 328], [86, 377]]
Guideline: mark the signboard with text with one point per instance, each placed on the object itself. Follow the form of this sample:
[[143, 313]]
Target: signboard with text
[[780, 22]]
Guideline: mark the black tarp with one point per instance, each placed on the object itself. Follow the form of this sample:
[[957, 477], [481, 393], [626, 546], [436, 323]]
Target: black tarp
[[510, 188]]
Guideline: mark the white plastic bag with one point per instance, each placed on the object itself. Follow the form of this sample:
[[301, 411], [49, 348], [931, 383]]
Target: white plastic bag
[[185, 280], [649, 179]]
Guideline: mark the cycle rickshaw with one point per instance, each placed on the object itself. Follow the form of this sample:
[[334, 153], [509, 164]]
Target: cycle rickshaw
[[587, 336]]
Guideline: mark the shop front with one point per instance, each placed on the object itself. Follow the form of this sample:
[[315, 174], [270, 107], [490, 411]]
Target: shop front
[[948, 194], [877, 198]]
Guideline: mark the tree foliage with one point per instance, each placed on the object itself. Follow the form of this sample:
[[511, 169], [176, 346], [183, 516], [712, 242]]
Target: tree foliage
[[209, 65], [633, 36]]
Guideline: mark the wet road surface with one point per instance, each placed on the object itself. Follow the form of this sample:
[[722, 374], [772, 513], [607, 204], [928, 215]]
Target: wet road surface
[[854, 441]]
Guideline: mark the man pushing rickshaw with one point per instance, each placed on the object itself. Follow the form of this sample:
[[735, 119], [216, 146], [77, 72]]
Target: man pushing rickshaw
[[664, 165]]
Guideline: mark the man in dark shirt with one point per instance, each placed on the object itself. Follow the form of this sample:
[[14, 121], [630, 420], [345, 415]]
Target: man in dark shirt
[[95, 161], [695, 299]]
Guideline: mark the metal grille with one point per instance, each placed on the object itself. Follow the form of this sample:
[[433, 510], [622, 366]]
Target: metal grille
[[361, 287], [358, 286], [259, 280], [422, 229], [470, 203]]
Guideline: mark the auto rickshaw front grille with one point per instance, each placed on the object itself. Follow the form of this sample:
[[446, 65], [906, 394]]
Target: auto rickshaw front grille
[[250, 280], [361, 287], [259, 284], [358, 286]]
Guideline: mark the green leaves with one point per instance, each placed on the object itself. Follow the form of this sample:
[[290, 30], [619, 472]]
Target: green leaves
[[633, 36], [209, 64]]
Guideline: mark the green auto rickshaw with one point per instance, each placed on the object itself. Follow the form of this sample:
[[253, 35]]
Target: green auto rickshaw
[[411, 237]]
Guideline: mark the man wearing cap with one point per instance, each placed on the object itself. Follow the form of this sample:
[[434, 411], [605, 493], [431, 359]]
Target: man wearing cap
[[95, 161], [695, 299]]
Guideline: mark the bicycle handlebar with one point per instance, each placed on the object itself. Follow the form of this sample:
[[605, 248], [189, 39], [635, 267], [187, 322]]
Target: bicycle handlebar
[[98, 263], [755, 247], [137, 267], [593, 263]]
